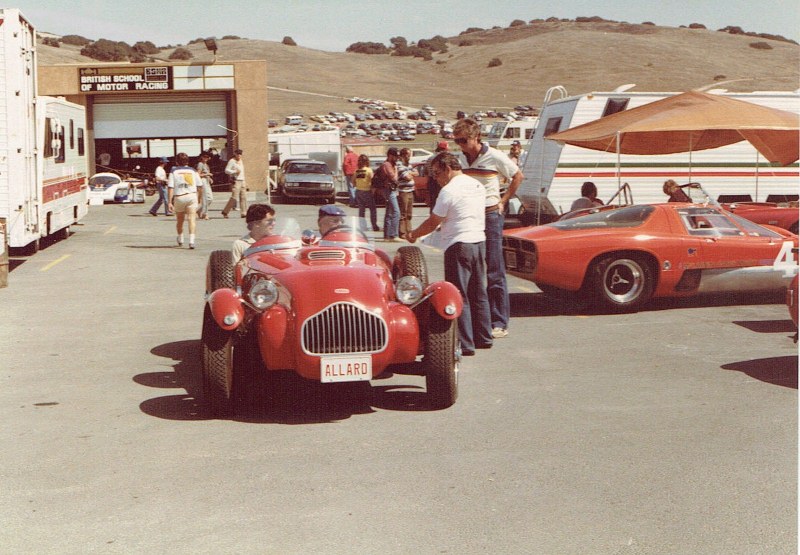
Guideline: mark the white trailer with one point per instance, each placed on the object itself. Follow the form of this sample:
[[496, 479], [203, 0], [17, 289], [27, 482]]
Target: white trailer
[[730, 173], [503, 133], [43, 166]]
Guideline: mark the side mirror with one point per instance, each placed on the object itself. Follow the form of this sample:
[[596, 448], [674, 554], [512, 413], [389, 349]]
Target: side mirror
[[309, 237]]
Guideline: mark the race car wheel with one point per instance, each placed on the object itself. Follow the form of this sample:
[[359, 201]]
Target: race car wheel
[[220, 271], [411, 262], [218, 374], [623, 282], [441, 361]]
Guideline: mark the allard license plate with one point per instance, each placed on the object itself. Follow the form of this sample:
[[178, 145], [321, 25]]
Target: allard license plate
[[352, 368]]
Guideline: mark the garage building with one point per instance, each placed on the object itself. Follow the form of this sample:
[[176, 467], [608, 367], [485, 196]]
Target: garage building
[[137, 113]]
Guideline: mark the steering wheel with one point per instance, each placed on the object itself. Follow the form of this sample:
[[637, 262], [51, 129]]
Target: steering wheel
[[348, 229]]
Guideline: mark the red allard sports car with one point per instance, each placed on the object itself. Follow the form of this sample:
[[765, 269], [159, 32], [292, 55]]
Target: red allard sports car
[[332, 309], [620, 258]]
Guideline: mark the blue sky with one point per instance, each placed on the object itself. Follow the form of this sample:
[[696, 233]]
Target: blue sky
[[334, 24]]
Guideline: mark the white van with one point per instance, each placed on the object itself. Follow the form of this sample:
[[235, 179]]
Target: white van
[[294, 120]]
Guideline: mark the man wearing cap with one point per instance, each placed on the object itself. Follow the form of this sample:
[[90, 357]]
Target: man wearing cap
[[515, 152], [161, 183], [235, 169], [433, 186], [260, 220], [330, 216], [391, 220], [489, 166]]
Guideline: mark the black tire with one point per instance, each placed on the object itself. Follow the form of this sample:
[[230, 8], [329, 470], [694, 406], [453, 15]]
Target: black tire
[[218, 374], [623, 282], [411, 262], [441, 361], [62, 234], [217, 364], [220, 271]]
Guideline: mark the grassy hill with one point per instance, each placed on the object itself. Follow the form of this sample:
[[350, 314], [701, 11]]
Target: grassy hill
[[581, 56]]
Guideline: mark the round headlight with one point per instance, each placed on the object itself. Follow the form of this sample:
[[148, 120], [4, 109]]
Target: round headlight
[[409, 289], [263, 294]]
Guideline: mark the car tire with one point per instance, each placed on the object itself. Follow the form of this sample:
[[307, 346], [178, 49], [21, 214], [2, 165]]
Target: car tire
[[623, 282], [410, 261], [220, 271], [441, 361], [218, 363]]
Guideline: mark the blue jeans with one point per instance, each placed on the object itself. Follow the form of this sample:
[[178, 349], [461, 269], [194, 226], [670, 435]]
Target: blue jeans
[[162, 199], [367, 200], [463, 267], [351, 190], [391, 220], [497, 287]]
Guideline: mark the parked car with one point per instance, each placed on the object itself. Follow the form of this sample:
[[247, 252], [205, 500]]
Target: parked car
[[306, 179], [334, 309], [621, 257], [771, 213], [109, 187]]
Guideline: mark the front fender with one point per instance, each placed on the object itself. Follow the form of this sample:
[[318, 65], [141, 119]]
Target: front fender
[[226, 308], [446, 299]]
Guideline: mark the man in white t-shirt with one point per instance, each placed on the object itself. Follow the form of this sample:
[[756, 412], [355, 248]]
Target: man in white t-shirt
[[183, 201], [235, 171], [460, 211]]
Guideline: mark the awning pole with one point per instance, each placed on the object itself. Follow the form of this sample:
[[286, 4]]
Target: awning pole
[[758, 156], [619, 170]]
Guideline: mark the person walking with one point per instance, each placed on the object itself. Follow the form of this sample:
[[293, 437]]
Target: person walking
[[349, 167], [235, 170], [260, 219], [362, 179], [206, 196], [161, 185], [489, 165], [405, 190], [391, 219], [182, 184], [460, 211]]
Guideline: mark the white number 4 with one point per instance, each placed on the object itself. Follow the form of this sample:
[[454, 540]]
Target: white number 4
[[785, 260]]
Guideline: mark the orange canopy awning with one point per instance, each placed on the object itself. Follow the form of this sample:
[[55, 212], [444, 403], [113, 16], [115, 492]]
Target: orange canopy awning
[[688, 122]]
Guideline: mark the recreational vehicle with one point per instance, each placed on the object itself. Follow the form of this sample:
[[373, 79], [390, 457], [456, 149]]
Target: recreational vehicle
[[43, 165], [503, 133], [731, 173]]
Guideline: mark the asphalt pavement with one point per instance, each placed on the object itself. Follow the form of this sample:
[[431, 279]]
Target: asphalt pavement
[[672, 430]]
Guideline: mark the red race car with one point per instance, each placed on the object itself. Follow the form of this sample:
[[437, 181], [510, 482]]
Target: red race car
[[332, 309], [622, 257]]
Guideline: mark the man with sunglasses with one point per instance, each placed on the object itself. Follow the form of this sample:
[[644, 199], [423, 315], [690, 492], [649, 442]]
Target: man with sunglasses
[[260, 220], [490, 166]]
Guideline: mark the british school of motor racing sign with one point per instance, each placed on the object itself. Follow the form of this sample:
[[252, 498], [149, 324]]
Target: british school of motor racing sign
[[125, 79]]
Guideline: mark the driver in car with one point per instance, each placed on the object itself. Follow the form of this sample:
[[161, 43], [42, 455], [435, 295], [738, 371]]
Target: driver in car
[[260, 220], [330, 217]]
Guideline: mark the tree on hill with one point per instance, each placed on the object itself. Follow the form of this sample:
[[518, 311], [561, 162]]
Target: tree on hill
[[50, 41], [399, 42], [75, 40], [288, 41], [145, 47], [107, 50], [435, 44], [517, 23], [181, 54], [368, 48]]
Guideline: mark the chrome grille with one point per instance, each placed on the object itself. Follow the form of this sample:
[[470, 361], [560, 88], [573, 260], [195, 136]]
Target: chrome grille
[[343, 328], [326, 255]]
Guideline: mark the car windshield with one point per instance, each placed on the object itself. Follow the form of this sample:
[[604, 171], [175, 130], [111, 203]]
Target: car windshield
[[333, 231], [104, 180], [308, 168], [628, 216]]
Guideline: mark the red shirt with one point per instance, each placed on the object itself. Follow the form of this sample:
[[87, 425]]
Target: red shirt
[[350, 164]]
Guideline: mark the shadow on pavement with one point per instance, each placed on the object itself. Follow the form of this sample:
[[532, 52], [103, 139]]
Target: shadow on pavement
[[768, 326], [775, 370], [273, 397]]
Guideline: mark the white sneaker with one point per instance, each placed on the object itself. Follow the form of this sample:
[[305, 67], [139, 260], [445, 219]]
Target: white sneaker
[[191, 245], [498, 333], [180, 240]]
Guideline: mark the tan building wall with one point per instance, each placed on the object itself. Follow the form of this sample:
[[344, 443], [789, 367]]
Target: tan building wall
[[247, 105]]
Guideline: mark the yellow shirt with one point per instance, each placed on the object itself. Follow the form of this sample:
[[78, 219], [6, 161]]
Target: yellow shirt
[[363, 179]]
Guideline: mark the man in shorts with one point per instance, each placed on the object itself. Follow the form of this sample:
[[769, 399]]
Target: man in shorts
[[183, 201]]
